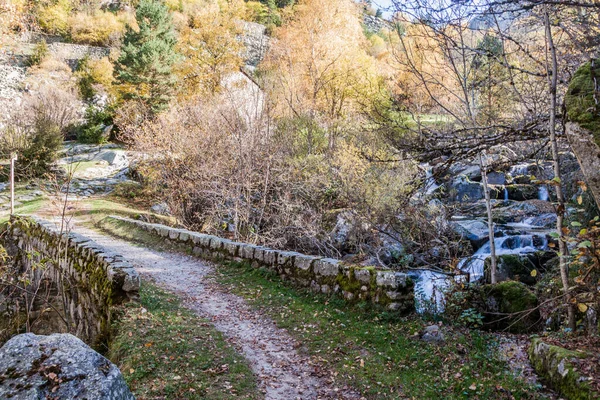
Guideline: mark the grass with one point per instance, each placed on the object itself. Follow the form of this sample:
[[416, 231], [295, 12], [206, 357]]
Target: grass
[[26, 208], [165, 351], [375, 352]]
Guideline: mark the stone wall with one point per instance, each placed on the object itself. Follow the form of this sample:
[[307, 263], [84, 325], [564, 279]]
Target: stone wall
[[88, 279], [393, 290]]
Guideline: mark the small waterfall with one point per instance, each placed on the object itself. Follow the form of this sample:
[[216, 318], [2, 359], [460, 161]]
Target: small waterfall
[[430, 286], [519, 169], [430, 184], [505, 195], [543, 193]]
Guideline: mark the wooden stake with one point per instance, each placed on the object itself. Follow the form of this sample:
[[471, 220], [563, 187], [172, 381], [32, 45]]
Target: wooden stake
[[13, 158]]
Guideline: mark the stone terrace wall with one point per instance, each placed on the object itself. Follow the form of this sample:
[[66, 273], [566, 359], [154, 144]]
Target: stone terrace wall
[[391, 289], [91, 278]]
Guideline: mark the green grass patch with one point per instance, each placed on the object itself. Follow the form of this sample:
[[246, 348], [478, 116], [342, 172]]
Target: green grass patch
[[378, 353], [26, 208], [165, 351]]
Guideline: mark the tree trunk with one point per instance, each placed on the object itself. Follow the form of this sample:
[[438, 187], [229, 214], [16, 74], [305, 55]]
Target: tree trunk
[[560, 208], [490, 219]]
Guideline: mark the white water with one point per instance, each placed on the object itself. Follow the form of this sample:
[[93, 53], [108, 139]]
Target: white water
[[430, 286], [430, 184], [505, 195], [519, 169], [543, 193]]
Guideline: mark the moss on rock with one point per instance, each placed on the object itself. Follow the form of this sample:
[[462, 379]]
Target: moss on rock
[[579, 100], [557, 366], [509, 306]]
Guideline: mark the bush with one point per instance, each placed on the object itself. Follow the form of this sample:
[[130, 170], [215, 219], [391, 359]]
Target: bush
[[41, 149], [40, 52], [100, 29], [54, 18], [96, 119], [92, 73]]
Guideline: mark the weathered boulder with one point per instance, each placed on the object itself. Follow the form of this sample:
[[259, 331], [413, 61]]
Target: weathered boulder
[[559, 367], [433, 334], [59, 366], [465, 190], [583, 130], [519, 267], [161, 209], [496, 178], [475, 231], [508, 306]]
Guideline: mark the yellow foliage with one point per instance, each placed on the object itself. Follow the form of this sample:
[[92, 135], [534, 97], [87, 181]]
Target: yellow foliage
[[54, 18], [101, 71], [13, 17], [100, 29], [319, 63], [211, 49]]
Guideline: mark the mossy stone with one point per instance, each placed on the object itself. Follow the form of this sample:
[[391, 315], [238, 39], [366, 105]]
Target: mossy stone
[[508, 306], [555, 364], [579, 100]]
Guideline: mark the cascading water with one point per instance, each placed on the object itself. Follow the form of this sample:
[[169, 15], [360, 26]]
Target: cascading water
[[430, 286], [523, 234], [520, 244], [543, 193], [430, 184], [519, 169]]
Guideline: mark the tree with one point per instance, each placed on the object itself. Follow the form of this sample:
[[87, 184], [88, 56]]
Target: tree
[[211, 49], [318, 67], [148, 54]]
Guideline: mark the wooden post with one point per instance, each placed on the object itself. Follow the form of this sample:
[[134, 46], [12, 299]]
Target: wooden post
[[13, 158]]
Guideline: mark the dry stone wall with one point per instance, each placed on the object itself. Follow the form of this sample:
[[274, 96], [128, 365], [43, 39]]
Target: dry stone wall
[[393, 290], [89, 278]]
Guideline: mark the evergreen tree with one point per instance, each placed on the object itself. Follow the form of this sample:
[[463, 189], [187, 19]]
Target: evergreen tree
[[147, 56]]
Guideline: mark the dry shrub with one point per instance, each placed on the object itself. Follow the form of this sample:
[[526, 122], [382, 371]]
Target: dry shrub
[[223, 171], [50, 72], [57, 105], [101, 28], [220, 173]]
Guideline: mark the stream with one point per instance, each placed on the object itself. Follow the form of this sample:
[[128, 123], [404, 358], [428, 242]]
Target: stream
[[522, 230]]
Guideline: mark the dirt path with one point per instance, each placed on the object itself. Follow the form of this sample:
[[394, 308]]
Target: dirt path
[[281, 371]]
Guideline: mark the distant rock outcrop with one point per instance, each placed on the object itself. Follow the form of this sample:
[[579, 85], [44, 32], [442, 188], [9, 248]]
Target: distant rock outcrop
[[58, 366], [256, 42]]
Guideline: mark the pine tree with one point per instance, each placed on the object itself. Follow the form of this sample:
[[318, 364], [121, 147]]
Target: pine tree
[[144, 67]]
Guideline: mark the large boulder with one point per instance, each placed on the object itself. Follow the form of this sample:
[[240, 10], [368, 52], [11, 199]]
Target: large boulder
[[522, 192], [508, 306], [476, 231], [519, 267], [59, 366], [464, 190]]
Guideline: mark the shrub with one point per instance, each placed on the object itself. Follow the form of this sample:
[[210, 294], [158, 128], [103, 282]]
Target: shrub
[[41, 148], [99, 29], [54, 18], [52, 104], [96, 119], [92, 73], [40, 52]]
